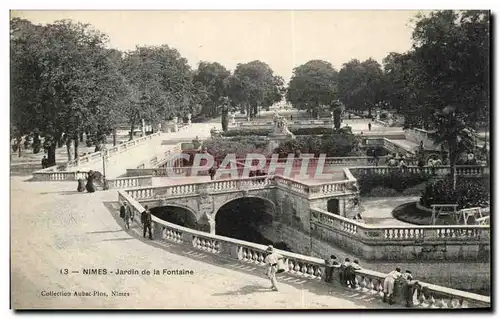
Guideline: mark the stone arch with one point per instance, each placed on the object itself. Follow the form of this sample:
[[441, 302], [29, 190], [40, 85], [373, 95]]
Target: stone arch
[[177, 214], [242, 217], [242, 197], [188, 208]]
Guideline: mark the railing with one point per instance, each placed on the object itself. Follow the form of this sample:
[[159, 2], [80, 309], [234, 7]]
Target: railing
[[59, 176], [372, 233], [159, 160], [251, 183], [135, 181], [310, 268], [461, 170], [51, 173]]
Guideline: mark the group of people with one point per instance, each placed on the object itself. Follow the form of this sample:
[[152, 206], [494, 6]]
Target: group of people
[[396, 283], [346, 271], [402, 283], [89, 184], [127, 214]]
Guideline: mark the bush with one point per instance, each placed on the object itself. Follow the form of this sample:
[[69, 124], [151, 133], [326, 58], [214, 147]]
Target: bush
[[468, 193], [338, 143], [380, 191], [259, 132], [219, 147], [396, 180], [266, 132]]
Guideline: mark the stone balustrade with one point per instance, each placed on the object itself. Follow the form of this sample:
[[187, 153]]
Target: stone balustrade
[[461, 170], [126, 182], [428, 233], [228, 185], [368, 282], [68, 173], [59, 176]]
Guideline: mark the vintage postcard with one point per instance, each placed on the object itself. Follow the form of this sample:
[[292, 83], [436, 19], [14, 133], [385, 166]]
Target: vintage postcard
[[250, 160]]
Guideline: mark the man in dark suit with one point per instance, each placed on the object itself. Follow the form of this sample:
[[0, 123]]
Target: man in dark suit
[[146, 222]]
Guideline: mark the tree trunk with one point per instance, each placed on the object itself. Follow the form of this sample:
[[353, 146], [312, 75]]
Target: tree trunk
[[114, 137], [51, 156], [131, 137], [81, 137], [77, 142], [69, 148], [19, 152]]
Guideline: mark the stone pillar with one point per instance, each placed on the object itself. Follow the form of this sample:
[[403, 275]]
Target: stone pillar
[[189, 118], [143, 127], [175, 127], [233, 119], [165, 127], [331, 113], [157, 231], [378, 115]]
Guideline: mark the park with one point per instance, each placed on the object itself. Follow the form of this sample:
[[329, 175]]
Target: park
[[347, 163]]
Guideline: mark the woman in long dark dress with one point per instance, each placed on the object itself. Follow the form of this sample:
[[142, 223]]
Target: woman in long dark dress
[[90, 182]]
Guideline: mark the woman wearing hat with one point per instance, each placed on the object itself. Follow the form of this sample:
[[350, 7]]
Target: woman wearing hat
[[272, 261]]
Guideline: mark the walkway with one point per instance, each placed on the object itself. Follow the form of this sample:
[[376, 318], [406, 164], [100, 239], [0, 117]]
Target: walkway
[[378, 210], [117, 166], [59, 228]]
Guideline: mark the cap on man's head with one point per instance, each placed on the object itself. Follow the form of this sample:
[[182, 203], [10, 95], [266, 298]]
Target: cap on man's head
[[333, 257], [398, 269], [408, 272], [347, 259], [146, 207], [270, 248], [356, 261]]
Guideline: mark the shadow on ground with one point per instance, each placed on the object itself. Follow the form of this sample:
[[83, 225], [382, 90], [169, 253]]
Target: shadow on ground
[[316, 287]]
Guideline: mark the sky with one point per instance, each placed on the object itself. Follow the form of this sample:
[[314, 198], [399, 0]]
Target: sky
[[282, 39]]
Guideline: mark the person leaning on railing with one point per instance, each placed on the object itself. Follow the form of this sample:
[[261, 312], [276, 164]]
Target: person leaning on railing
[[330, 264]]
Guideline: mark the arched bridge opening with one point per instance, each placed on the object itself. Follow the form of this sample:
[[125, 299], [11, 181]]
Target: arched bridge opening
[[176, 215], [248, 219]]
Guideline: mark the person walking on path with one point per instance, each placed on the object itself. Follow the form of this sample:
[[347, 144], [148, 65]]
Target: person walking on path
[[147, 220], [90, 182], [271, 261], [126, 215], [369, 126], [44, 162]]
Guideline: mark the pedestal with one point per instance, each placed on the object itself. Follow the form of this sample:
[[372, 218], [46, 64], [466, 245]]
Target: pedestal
[[143, 127], [189, 118], [175, 126], [275, 141]]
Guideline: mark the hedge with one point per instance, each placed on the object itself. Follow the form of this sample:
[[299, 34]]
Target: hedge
[[469, 193], [397, 180], [266, 132]]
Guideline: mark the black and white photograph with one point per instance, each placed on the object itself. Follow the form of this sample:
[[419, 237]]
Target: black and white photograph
[[250, 160]]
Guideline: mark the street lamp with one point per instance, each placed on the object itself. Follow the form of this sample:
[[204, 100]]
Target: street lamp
[[104, 154]]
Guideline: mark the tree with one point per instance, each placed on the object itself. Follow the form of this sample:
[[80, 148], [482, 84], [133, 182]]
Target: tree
[[211, 76], [62, 82], [225, 106], [253, 85], [159, 82], [450, 58], [451, 49], [453, 133], [313, 85], [360, 85]]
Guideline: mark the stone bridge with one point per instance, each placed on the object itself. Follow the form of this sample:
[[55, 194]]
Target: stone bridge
[[281, 195]]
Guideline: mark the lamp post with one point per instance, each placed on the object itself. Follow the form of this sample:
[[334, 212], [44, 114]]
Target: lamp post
[[104, 154]]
